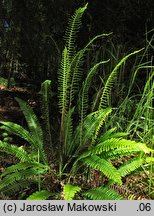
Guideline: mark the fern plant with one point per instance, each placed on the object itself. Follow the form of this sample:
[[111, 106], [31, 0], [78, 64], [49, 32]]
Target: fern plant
[[83, 142], [32, 161]]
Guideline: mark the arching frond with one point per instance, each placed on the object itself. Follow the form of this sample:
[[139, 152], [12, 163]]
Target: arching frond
[[23, 166], [32, 122], [120, 152], [85, 88], [120, 145], [76, 66], [89, 127], [102, 193], [104, 101], [111, 134], [104, 166], [19, 131], [29, 173], [29, 137], [134, 164], [16, 151]]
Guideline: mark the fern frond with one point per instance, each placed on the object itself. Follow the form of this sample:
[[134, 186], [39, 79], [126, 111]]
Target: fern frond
[[120, 145], [63, 79], [45, 95], [85, 88], [24, 134], [102, 193], [18, 152], [125, 151], [134, 164], [18, 186], [21, 175], [23, 166], [104, 101], [89, 127], [73, 28], [76, 72], [19, 131], [92, 121], [40, 195], [69, 191], [111, 134], [76, 66], [32, 122], [68, 131], [104, 166]]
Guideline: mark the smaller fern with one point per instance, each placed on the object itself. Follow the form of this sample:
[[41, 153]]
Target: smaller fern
[[40, 195], [69, 191]]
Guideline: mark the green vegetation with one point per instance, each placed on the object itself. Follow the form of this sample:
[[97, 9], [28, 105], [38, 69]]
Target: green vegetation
[[88, 135]]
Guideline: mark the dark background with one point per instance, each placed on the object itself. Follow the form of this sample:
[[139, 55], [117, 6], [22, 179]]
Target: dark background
[[31, 32]]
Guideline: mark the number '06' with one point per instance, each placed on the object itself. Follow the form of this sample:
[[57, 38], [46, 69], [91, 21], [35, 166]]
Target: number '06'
[[145, 207]]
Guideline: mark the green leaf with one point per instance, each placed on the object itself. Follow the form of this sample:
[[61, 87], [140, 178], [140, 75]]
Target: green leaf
[[102, 193], [104, 166], [70, 191], [40, 195]]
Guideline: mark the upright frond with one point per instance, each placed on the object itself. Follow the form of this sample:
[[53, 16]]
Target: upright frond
[[63, 83], [73, 28], [45, 96]]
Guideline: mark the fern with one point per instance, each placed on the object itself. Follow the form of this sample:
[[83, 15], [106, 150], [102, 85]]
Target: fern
[[111, 134], [133, 164], [68, 133], [89, 127], [86, 86], [23, 166], [34, 136], [69, 191], [119, 144], [116, 153], [29, 173], [63, 79], [19, 131], [76, 66], [102, 193], [45, 96], [18, 186], [32, 121], [73, 28], [104, 101], [104, 166], [40, 195], [18, 152]]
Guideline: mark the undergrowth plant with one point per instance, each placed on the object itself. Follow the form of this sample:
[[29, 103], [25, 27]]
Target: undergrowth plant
[[83, 142]]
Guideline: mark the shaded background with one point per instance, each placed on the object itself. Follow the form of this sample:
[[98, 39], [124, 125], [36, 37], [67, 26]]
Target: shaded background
[[31, 32]]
